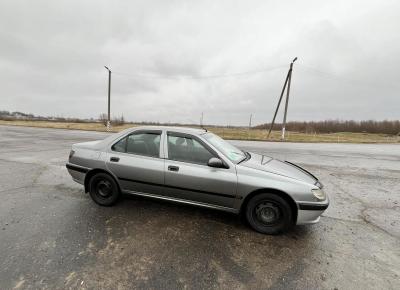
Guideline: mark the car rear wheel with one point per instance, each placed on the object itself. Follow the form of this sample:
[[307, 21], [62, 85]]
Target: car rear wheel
[[103, 189], [269, 213]]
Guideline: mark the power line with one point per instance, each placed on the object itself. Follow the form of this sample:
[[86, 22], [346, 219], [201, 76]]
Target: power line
[[321, 73], [205, 77], [332, 76]]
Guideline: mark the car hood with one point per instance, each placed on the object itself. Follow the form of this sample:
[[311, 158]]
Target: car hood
[[284, 168]]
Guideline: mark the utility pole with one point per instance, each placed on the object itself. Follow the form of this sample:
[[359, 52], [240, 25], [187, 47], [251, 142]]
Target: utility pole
[[287, 83], [248, 137], [201, 120], [109, 96], [251, 115], [287, 99]]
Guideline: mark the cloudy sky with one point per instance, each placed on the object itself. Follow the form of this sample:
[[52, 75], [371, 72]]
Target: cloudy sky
[[172, 60]]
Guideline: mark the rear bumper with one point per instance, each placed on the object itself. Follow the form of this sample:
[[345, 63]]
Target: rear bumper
[[309, 213], [77, 172]]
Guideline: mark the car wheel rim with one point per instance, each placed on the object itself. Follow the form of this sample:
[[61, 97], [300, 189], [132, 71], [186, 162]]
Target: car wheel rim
[[267, 213], [104, 188]]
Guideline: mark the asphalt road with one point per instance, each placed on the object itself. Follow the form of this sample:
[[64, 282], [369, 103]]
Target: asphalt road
[[53, 236]]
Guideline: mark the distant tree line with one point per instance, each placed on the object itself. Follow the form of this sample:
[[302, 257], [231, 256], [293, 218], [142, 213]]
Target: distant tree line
[[116, 121], [310, 127], [5, 114], [10, 116], [334, 126]]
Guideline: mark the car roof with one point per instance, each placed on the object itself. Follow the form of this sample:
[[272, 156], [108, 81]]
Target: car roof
[[188, 130]]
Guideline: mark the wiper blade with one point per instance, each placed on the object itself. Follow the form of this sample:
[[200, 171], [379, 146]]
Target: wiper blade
[[247, 157]]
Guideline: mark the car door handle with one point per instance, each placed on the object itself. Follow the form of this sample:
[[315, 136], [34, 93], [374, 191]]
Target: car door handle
[[114, 159], [173, 168]]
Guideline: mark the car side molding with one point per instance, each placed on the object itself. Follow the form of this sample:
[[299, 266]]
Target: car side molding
[[176, 187]]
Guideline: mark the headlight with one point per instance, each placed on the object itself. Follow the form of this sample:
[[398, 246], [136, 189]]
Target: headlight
[[318, 193], [71, 154]]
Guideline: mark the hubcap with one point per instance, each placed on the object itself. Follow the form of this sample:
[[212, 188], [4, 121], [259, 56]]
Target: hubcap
[[267, 213], [104, 188]]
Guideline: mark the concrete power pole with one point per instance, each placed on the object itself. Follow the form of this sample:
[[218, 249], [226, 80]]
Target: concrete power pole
[[287, 82], [287, 100], [251, 116], [109, 97]]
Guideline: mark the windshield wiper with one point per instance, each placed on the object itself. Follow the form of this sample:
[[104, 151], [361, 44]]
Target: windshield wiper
[[247, 156]]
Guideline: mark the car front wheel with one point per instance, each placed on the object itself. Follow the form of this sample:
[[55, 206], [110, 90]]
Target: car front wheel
[[103, 189], [269, 213]]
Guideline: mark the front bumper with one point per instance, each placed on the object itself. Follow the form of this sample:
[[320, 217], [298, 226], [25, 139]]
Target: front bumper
[[309, 213]]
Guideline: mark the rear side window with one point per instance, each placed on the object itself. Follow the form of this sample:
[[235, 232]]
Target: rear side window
[[187, 150], [146, 144]]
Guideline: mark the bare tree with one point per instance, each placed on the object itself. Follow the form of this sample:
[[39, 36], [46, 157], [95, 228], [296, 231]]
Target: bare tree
[[103, 118]]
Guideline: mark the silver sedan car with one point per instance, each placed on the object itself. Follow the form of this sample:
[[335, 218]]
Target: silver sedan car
[[193, 166]]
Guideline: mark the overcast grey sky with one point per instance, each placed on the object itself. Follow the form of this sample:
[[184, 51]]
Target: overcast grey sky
[[52, 55]]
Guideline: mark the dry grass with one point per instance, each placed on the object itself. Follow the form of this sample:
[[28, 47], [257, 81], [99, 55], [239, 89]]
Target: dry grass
[[229, 133], [64, 125]]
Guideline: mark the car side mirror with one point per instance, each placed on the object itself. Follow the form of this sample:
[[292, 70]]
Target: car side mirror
[[215, 162]]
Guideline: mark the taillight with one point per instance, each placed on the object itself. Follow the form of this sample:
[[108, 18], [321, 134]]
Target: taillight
[[71, 154]]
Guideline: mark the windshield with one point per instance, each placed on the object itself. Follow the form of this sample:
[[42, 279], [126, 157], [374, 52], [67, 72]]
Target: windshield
[[234, 154]]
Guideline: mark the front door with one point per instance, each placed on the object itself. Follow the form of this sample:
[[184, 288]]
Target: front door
[[135, 160], [188, 177]]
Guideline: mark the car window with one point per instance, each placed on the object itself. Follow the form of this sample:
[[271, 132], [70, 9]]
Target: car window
[[187, 150], [120, 146], [147, 144]]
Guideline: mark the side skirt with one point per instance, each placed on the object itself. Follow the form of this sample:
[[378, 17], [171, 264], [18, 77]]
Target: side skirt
[[184, 201]]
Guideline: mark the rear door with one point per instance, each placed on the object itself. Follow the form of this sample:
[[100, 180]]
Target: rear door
[[136, 161], [187, 175]]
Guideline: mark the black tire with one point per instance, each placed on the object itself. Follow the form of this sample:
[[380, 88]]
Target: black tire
[[103, 189], [269, 213]]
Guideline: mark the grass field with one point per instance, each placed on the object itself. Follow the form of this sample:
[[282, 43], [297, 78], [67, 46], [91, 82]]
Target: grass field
[[230, 133]]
